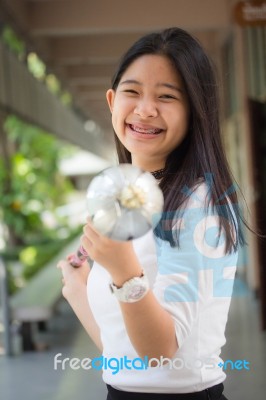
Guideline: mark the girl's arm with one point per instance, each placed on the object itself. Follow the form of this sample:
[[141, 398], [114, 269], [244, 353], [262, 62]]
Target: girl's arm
[[75, 292], [150, 327]]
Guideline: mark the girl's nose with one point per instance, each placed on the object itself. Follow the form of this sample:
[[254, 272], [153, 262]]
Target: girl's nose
[[146, 108]]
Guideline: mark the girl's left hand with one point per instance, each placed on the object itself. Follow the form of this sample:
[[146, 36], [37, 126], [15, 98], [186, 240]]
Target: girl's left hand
[[73, 279], [117, 257]]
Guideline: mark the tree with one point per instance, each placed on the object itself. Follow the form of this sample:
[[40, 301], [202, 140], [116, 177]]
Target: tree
[[29, 180]]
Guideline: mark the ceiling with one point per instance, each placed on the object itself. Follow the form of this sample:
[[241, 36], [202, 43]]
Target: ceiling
[[81, 41]]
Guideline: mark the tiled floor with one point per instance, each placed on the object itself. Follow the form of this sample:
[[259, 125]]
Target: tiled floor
[[31, 376], [245, 341]]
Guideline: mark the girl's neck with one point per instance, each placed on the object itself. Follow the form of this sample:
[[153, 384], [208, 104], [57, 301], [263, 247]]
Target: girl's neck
[[149, 166], [159, 173]]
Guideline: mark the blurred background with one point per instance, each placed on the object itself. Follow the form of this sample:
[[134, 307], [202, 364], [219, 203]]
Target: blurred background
[[57, 58]]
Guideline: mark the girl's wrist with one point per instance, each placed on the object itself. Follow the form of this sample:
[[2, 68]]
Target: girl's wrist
[[72, 291], [122, 275]]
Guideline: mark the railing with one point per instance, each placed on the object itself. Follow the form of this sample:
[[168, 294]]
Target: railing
[[4, 301], [23, 95]]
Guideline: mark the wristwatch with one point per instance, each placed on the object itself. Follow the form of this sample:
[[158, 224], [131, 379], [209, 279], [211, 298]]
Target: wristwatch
[[132, 290]]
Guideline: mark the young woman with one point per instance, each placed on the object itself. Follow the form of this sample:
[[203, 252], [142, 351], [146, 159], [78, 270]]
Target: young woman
[[168, 337]]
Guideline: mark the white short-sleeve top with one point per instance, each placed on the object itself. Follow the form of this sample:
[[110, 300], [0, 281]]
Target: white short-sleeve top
[[194, 283]]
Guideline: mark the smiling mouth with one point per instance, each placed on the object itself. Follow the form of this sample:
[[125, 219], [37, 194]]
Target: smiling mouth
[[150, 131]]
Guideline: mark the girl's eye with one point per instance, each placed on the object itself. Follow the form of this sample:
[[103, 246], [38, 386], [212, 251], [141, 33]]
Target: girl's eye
[[130, 91], [168, 96]]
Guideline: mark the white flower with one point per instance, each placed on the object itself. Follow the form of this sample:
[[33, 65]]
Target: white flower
[[123, 202]]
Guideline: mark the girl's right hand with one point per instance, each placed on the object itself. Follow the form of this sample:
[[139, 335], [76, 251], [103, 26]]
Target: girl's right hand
[[73, 278]]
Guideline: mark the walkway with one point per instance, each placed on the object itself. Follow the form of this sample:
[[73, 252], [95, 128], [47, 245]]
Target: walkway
[[32, 376]]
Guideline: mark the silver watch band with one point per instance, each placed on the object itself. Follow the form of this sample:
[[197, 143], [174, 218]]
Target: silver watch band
[[132, 290]]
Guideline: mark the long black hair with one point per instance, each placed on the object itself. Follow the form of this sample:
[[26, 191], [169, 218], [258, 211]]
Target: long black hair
[[201, 152]]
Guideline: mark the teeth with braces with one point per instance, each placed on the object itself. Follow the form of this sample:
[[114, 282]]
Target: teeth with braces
[[147, 131]]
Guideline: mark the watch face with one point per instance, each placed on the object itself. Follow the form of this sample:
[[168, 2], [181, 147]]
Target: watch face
[[136, 292]]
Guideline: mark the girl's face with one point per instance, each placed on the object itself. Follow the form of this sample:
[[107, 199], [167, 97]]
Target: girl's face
[[150, 110]]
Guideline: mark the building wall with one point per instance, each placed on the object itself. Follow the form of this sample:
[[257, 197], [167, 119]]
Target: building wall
[[243, 59]]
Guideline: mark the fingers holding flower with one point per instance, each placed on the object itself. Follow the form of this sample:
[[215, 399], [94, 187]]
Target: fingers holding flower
[[72, 278], [117, 257]]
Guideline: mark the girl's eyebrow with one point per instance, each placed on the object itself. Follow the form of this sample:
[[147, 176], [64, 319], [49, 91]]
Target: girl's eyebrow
[[130, 81], [170, 86], [167, 85]]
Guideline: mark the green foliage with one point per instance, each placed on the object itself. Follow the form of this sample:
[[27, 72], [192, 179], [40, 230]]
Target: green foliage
[[35, 257], [53, 84], [33, 181], [13, 42], [36, 66], [66, 98], [30, 185], [11, 281]]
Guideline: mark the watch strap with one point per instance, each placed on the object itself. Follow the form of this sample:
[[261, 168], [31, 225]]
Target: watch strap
[[132, 290]]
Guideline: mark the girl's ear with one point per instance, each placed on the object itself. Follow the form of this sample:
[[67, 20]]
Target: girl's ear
[[110, 96]]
